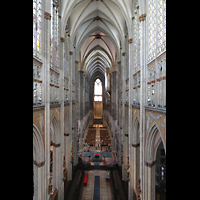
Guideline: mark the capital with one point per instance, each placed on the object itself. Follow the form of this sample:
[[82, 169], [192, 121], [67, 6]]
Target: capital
[[142, 17], [47, 15], [62, 39], [130, 41]]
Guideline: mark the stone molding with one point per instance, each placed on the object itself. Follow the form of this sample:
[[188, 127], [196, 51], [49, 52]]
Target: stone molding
[[159, 58], [136, 145], [150, 164], [55, 145], [66, 134], [37, 62], [38, 164]]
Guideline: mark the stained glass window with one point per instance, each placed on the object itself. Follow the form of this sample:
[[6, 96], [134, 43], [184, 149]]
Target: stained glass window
[[136, 37], [37, 28], [160, 25], [54, 35], [164, 24], [156, 27]]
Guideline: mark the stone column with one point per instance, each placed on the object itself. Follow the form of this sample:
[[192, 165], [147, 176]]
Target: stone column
[[80, 98], [76, 115], [84, 93], [145, 179], [150, 192], [69, 142], [47, 35], [114, 103], [61, 97], [143, 58], [119, 110], [81, 88], [111, 114], [164, 82], [130, 131], [123, 113], [114, 93], [134, 162]]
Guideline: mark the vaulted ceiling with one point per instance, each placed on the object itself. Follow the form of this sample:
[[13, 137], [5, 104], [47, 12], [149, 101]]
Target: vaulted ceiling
[[96, 29]]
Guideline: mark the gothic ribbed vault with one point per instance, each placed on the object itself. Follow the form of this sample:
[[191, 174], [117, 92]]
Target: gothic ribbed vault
[[96, 29]]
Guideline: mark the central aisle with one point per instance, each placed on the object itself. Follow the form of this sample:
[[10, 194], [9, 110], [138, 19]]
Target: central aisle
[[105, 188], [97, 139]]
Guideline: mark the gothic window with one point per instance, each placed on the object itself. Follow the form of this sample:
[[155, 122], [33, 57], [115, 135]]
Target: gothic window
[[156, 27], [36, 28], [164, 24], [98, 90], [54, 35], [160, 173]]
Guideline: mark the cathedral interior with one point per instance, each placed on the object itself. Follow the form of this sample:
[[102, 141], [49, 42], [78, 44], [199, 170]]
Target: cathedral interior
[[99, 99]]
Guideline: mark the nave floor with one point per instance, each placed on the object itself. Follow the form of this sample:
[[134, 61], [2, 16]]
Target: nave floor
[[105, 188]]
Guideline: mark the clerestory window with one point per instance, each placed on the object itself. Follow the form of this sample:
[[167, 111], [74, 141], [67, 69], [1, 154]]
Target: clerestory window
[[54, 34], [36, 28], [156, 28]]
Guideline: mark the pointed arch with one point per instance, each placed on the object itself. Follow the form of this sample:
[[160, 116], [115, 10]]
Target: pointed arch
[[135, 152], [136, 129], [38, 163], [38, 145], [153, 140], [55, 136], [55, 130]]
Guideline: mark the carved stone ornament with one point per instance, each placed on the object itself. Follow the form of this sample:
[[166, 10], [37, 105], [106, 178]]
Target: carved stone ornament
[[142, 17], [47, 15], [130, 41], [62, 39]]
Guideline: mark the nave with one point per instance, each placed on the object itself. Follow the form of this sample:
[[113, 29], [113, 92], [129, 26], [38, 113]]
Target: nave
[[99, 164], [99, 87]]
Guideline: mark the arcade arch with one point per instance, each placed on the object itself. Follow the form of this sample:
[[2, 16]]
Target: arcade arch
[[54, 151], [153, 141], [38, 163]]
